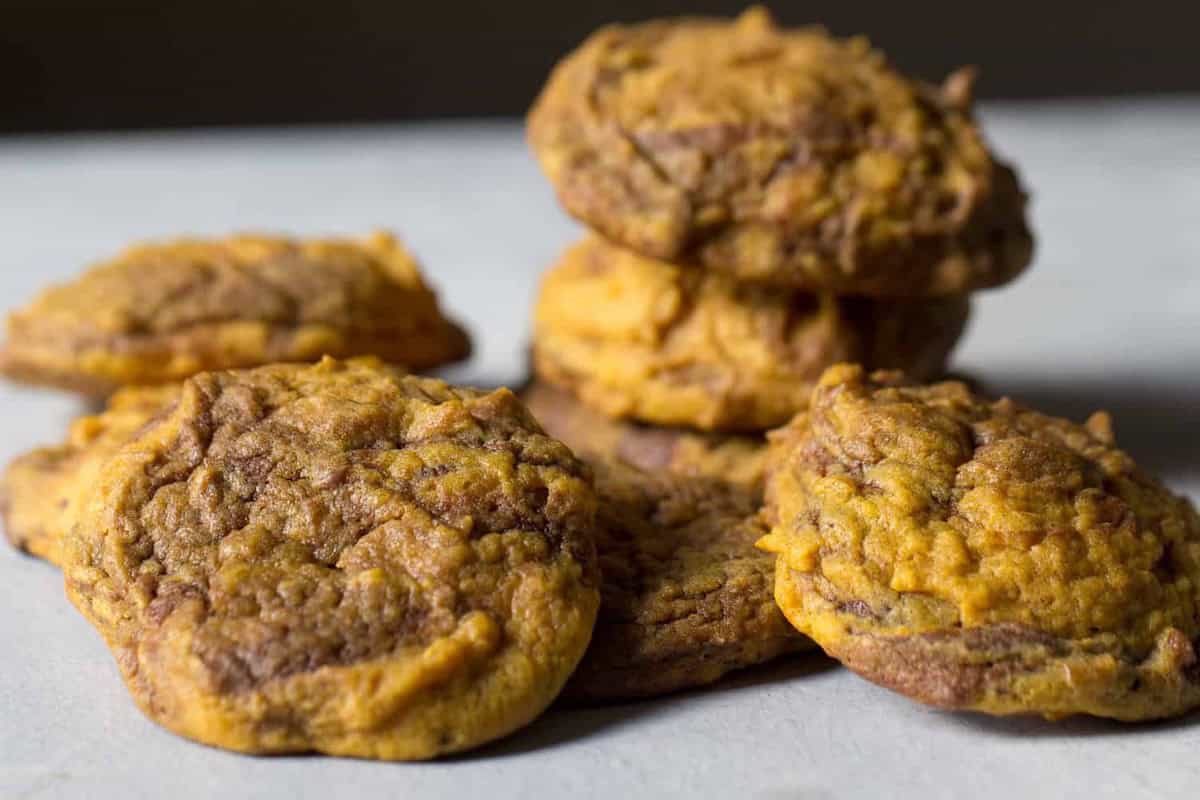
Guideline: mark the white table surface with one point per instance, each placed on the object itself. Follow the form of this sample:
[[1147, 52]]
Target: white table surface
[[1109, 316]]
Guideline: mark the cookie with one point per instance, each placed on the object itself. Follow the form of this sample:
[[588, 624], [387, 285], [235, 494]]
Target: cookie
[[162, 312], [678, 451], [40, 491], [982, 556], [339, 558], [781, 156], [685, 598], [643, 339]]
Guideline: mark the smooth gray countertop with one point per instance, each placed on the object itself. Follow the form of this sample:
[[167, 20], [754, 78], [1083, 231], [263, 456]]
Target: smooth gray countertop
[[1109, 316]]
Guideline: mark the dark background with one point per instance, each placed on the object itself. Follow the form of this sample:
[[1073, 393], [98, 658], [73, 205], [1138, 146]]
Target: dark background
[[98, 64]]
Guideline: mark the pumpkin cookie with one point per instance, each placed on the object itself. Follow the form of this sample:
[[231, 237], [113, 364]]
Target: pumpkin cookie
[[162, 312], [40, 491], [685, 596], [783, 156], [979, 555], [735, 459], [643, 339], [339, 558]]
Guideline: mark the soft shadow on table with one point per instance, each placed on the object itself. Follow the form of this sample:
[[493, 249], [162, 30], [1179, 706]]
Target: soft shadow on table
[[794, 667], [1031, 727], [1156, 421], [564, 724], [28, 562]]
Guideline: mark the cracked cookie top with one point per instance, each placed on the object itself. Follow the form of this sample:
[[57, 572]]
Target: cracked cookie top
[[340, 558], [781, 156], [979, 554], [162, 312], [643, 339]]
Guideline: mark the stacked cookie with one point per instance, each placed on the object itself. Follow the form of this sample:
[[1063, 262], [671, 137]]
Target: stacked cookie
[[764, 203]]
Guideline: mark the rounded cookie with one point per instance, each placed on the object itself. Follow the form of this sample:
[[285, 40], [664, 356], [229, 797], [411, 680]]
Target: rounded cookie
[[685, 597], [162, 312], [339, 558], [643, 339], [979, 555], [40, 490], [782, 156], [735, 459]]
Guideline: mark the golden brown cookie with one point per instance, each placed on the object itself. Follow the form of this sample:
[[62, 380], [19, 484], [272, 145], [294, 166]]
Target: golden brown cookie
[[979, 555], [40, 491], [643, 339], [339, 558], [686, 597], [731, 458], [162, 312], [783, 156]]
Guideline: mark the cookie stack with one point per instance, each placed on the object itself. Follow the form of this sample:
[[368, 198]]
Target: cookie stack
[[764, 203]]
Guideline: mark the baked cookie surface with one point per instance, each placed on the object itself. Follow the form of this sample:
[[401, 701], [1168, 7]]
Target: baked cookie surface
[[643, 339], [162, 312], [735, 459], [686, 597], [339, 558], [40, 490], [979, 555], [783, 156]]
